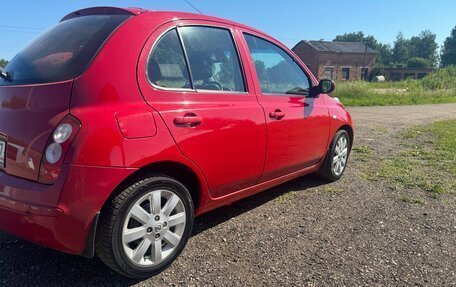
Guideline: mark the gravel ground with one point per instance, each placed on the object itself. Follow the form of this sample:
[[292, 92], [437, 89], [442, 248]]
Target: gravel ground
[[303, 233]]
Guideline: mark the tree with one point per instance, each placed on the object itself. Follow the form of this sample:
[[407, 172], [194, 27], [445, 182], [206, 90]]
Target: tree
[[419, 51], [424, 46], [418, 62], [3, 63], [448, 55], [384, 51], [358, 37], [401, 50]]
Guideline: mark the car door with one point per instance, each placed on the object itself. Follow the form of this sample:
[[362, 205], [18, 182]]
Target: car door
[[194, 78], [297, 125]]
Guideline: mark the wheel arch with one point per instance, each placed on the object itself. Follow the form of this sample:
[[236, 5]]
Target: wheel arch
[[180, 172], [350, 132]]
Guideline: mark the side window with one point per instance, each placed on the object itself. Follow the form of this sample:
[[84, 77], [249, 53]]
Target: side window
[[167, 66], [329, 73], [213, 59], [277, 72]]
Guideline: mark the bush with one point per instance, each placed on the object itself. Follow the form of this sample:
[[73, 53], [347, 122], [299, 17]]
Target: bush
[[441, 79]]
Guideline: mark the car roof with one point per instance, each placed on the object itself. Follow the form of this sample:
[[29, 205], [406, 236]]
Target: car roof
[[165, 15], [176, 15]]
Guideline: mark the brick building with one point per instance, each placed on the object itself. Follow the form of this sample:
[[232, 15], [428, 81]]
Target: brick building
[[399, 74], [339, 61]]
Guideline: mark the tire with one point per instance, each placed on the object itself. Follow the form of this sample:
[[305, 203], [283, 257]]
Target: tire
[[158, 211], [328, 170]]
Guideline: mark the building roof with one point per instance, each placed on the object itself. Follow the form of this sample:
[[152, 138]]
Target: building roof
[[338, 47]]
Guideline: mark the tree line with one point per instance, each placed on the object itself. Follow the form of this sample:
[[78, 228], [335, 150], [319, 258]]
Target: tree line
[[417, 52]]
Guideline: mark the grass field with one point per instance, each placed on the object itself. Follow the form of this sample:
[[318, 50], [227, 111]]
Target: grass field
[[438, 87], [428, 162]]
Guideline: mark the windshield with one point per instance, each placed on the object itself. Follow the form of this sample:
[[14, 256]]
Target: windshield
[[63, 52]]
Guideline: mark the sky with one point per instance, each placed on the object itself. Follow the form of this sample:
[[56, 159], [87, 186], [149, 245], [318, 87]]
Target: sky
[[289, 21]]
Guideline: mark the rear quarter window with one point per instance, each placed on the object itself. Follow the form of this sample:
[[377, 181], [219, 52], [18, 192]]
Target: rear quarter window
[[63, 52]]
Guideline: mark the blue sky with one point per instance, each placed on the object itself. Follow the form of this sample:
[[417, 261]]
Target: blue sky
[[287, 20]]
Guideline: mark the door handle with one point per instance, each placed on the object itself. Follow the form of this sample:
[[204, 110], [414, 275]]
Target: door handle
[[188, 120], [277, 114]]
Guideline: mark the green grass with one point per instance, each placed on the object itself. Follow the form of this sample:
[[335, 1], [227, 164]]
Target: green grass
[[362, 153], [287, 196], [419, 201], [438, 87], [333, 190], [428, 162]]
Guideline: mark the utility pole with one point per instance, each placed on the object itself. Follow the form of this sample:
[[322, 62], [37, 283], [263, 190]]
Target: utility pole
[[363, 72]]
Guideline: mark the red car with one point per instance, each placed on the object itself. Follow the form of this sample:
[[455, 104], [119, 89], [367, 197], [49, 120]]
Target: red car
[[119, 126]]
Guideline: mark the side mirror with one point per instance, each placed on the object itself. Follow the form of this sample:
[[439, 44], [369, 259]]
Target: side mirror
[[326, 86]]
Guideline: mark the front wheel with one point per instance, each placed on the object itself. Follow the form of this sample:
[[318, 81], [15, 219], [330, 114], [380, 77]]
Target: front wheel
[[336, 159], [145, 227]]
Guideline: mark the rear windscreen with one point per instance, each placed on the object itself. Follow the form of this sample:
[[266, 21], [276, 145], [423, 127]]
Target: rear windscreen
[[63, 52]]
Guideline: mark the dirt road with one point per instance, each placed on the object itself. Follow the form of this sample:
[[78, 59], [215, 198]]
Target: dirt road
[[353, 232]]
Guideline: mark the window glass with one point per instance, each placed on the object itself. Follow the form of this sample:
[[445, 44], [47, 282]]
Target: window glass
[[277, 72], [63, 52], [346, 74], [167, 66], [213, 60], [329, 73]]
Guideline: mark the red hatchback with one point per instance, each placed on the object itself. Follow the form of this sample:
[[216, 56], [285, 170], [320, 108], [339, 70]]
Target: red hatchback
[[118, 126]]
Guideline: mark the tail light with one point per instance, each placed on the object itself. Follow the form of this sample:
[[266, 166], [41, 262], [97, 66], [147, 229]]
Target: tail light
[[56, 149]]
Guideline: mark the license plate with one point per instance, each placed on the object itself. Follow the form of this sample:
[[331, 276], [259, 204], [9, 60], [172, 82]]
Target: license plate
[[2, 153]]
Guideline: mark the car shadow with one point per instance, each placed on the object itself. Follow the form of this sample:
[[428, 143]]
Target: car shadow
[[222, 214], [27, 264]]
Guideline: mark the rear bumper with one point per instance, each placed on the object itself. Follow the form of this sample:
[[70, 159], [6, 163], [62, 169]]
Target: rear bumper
[[57, 216]]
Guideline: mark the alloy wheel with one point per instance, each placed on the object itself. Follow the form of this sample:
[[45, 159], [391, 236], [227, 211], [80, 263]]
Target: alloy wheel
[[340, 156], [153, 227]]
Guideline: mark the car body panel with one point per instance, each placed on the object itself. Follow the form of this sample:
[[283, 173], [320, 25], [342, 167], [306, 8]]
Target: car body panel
[[72, 204], [40, 108]]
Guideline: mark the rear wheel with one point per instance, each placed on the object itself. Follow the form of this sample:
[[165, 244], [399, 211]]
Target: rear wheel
[[336, 159], [145, 227]]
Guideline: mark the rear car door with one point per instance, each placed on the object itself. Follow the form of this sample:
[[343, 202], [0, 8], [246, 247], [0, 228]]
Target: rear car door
[[297, 125], [193, 75]]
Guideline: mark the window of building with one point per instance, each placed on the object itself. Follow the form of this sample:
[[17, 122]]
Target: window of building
[[329, 73], [346, 74], [278, 73]]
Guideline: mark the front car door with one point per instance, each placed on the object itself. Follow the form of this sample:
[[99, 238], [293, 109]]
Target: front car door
[[297, 125], [194, 77]]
